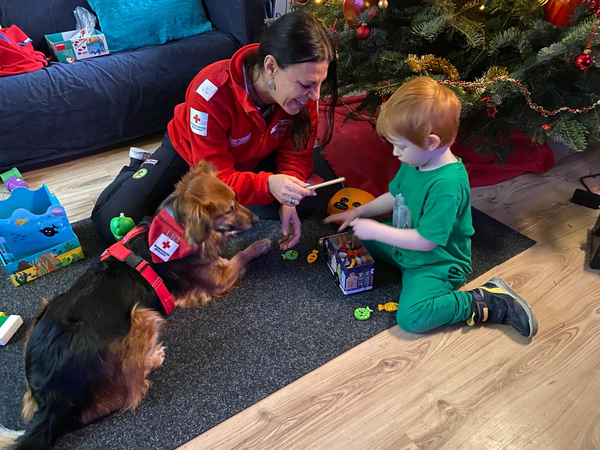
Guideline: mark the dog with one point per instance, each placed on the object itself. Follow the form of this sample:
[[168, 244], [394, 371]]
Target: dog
[[90, 349]]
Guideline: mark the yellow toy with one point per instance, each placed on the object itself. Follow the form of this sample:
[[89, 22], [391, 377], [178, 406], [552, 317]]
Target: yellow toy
[[389, 306], [312, 257]]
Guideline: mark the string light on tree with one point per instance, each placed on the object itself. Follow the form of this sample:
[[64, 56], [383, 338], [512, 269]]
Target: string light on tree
[[484, 4]]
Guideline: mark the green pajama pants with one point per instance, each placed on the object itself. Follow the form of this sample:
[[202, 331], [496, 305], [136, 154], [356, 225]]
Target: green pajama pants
[[429, 296]]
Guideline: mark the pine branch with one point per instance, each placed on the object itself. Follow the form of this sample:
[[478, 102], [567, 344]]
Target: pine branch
[[430, 29], [571, 134], [548, 53], [504, 39], [472, 31]]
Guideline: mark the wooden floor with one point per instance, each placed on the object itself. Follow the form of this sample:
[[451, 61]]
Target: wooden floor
[[460, 388]]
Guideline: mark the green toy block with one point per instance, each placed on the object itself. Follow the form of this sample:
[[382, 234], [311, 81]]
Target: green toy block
[[14, 172]]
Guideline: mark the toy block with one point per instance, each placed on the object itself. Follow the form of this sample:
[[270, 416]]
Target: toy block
[[14, 172], [8, 326]]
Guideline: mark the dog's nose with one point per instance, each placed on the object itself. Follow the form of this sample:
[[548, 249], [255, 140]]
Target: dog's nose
[[254, 219]]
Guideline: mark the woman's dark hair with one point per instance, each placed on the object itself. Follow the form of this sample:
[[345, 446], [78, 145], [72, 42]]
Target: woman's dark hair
[[296, 38]]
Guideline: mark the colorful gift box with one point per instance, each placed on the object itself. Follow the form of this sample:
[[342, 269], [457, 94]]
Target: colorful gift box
[[350, 261], [36, 237], [75, 45]]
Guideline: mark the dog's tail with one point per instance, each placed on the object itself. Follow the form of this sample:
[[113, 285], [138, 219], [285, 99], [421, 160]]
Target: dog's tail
[[45, 426]]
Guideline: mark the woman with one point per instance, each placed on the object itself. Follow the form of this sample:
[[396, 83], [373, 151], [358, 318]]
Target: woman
[[254, 117]]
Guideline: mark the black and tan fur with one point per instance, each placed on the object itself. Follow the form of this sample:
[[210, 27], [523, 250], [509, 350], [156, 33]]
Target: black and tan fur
[[91, 348]]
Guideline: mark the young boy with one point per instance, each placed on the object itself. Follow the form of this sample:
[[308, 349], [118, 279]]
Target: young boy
[[429, 235]]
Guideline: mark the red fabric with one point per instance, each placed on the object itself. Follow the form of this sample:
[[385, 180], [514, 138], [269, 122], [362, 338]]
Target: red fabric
[[165, 231], [230, 132], [17, 54], [357, 153], [120, 252]]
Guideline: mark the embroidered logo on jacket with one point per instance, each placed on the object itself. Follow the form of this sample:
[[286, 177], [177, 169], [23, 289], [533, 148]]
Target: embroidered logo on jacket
[[240, 141], [198, 122], [207, 89], [280, 128]]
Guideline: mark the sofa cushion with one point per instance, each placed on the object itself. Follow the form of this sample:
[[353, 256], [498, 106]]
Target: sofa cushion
[[67, 110], [129, 24], [40, 17]]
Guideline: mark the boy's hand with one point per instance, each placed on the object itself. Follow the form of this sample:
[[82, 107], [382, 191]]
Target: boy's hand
[[345, 218], [367, 229]]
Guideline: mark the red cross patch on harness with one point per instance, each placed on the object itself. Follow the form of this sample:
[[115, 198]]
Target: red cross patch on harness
[[164, 247], [166, 239]]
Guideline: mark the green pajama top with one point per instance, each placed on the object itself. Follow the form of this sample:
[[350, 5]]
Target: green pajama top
[[437, 203]]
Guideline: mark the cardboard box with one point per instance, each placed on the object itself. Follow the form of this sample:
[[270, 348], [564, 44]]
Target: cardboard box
[[71, 46], [350, 261]]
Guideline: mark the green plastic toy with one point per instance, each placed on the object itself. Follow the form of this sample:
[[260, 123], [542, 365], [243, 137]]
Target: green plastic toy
[[120, 226], [290, 254], [14, 172], [363, 313]]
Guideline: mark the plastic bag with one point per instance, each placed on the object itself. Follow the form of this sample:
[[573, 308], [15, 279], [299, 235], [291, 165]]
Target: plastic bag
[[86, 22]]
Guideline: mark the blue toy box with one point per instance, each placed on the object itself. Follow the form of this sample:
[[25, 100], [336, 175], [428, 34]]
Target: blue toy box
[[36, 237]]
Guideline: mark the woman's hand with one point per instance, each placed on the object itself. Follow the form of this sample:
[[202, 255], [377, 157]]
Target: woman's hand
[[290, 227], [288, 190], [345, 217]]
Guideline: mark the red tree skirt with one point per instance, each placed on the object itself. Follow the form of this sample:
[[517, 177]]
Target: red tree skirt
[[357, 153]]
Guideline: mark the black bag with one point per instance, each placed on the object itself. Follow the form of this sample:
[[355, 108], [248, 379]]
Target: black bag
[[595, 244]]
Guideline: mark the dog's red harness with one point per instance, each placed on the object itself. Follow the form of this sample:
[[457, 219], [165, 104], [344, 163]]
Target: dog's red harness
[[122, 253]]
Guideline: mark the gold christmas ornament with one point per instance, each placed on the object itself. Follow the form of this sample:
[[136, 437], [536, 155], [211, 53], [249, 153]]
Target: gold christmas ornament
[[434, 63], [382, 4]]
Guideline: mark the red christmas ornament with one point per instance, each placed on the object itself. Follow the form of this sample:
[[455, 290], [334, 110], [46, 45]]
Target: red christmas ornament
[[585, 60], [560, 12], [492, 111], [352, 9], [363, 32], [302, 1], [595, 6]]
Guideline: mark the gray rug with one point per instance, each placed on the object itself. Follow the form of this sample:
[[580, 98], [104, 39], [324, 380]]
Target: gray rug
[[284, 320]]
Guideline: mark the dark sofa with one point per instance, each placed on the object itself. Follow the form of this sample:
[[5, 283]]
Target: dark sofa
[[66, 111]]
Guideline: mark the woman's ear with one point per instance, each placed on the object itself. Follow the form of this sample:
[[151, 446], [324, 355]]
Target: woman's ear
[[432, 142], [270, 64]]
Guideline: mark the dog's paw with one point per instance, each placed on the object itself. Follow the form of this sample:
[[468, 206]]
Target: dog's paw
[[259, 248]]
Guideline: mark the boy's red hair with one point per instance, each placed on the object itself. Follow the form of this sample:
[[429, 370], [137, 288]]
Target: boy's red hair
[[419, 108]]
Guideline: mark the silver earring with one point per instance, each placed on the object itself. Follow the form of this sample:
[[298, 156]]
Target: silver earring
[[271, 85]]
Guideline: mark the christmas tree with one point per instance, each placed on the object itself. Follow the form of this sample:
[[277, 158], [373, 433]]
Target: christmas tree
[[513, 63]]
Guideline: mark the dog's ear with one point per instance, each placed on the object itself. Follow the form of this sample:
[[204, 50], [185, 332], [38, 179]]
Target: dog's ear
[[197, 219]]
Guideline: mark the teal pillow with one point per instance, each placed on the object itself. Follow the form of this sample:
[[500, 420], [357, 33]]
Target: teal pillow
[[129, 24]]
